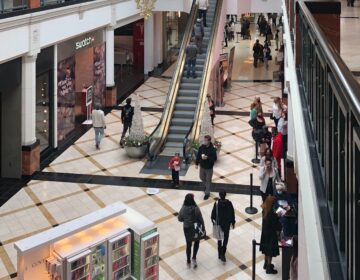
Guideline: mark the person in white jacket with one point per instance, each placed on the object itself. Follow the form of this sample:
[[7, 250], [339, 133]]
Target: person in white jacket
[[98, 119], [202, 7]]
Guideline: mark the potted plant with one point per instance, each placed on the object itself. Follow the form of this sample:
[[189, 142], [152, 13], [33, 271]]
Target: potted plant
[[136, 143]]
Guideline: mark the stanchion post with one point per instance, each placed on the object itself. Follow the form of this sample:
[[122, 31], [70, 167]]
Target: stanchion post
[[251, 210], [253, 259], [256, 160]]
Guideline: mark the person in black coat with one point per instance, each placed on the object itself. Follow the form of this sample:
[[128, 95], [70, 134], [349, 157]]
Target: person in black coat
[[225, 217], [206, 158], [269, 239]]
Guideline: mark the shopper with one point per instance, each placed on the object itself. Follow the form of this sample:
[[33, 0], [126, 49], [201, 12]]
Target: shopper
[[191, 55], [174, 165], [350, 3], [277, 39], [267, 55], [223, 214], [189, 214], [211, 108], [283, 129], [269, 239], [199, 34], [127, 114], [253, 111], [257, 52], [98, 120], [258, 102], [278, 149], [276, 111], [203, 6], [268, 155], [206, 158], [268, 176]]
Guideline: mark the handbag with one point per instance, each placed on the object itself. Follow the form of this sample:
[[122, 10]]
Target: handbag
[[217, 231], [199, 231]]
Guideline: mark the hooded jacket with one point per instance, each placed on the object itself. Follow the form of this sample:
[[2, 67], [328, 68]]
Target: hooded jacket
[[190, 215]]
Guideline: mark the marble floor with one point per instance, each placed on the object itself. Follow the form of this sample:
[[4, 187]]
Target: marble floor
[[41, 205]]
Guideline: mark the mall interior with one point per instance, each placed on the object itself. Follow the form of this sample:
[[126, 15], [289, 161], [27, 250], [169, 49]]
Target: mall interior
[[264, 95]]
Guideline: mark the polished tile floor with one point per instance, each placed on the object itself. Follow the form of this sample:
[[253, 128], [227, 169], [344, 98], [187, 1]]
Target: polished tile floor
[[44, 204]]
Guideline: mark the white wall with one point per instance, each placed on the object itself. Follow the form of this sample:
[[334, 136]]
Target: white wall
[[253, 6], [32, 32]]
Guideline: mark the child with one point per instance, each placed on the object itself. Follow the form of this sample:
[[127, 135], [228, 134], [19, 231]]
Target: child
[[174, 165]]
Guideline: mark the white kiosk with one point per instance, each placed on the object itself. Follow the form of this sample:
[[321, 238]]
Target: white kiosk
[[115, 242]]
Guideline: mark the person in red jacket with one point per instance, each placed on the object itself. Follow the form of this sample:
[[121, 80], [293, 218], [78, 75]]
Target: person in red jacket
[[277, 147], [174, 165]]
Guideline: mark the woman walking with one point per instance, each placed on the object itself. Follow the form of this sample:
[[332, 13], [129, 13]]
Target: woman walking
[[223, 214], [189, 214], [269, 240]]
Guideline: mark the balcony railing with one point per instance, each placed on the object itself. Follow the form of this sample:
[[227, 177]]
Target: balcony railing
[[332, 99]]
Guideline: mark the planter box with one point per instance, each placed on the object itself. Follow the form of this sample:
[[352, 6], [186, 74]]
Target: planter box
[[136, 152]]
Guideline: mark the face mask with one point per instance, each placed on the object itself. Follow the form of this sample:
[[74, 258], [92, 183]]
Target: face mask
[[279, 192]]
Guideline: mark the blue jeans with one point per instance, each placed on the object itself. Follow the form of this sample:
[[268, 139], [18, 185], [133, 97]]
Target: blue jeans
[[191, 67], [99, 134]]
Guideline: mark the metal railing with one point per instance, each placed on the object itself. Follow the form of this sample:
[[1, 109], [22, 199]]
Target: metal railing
[[158, 137], [332, 97], [195, 133]]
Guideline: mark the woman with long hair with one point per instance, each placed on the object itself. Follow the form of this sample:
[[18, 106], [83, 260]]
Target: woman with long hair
[[269, 238], [189, 214]]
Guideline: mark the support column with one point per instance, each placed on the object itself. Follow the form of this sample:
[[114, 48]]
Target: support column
[[30, 145], [55, 105], [111, 91], [149, 45], [159, 36]]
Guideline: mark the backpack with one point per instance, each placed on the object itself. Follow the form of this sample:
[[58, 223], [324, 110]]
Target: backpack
[[128, 113]]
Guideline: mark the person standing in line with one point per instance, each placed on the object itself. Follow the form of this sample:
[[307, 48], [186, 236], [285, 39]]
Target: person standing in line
[[268, 176], [283, 129], [174, 164], [267, 52], [199, 34], [269, 240], [276, 110], [294, 260], [277, 39], [268, 155], [277, 147], [98, 120], [223, 214], [203, 6], [253, 111], [191, 55], [127, 114], [211, 108], [189, 214], [206, 158]]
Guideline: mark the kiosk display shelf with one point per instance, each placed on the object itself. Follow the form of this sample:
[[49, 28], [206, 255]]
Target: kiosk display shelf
[[150, 256], [120, 257], [78, 267]]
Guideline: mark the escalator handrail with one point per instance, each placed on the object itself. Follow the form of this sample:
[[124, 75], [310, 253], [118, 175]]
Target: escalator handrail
[[186, 141], [163, 127], [206, 74]]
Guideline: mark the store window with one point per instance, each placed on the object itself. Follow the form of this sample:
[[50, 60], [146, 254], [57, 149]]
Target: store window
[[42, 110], [175, 24]]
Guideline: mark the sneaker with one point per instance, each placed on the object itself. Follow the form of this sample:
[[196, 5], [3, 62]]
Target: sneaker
[[206, 197], [194, 262]]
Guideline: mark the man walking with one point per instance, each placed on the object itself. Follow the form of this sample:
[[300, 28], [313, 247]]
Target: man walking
[[98, 119], [206, 158], [203, 6], [191, 54], [199, 34], [258, 52], [127, 114]]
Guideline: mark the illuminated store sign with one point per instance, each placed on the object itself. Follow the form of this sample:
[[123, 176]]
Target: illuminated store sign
[[85, 42]]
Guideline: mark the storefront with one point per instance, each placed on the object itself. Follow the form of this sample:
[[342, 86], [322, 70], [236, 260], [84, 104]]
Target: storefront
[[44, 97], [81, 64], [174, 28]]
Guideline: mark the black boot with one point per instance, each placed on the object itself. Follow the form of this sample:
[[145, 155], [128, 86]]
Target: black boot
[[265, 265], [219, 251], [222, 256], [270, 269]]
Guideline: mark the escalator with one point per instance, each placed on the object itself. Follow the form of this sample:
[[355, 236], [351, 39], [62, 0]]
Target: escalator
[[186, 97]]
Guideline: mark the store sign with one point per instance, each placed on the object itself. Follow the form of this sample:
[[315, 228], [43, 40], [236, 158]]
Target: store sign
[[85, 42], [89, 95]]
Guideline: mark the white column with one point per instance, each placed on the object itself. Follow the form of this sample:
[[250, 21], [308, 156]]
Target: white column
[[149, 45], [159, 37], [110, 81], [55, 105], [28, 100]]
